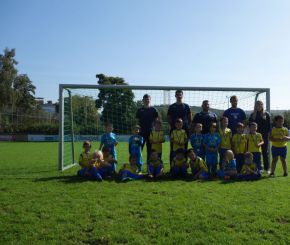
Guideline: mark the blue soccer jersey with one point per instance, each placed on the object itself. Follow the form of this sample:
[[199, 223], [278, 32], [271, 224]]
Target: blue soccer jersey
[[212, 141], [110, 140], [135, 145], [196, 141]]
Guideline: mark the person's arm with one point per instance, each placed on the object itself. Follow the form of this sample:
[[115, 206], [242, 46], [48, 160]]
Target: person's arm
[[261, 142]]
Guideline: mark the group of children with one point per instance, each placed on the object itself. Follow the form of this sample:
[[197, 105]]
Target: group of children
[[215, 154]]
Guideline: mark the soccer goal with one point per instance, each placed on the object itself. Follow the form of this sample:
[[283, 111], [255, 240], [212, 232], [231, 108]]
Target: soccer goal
[[85, 109]]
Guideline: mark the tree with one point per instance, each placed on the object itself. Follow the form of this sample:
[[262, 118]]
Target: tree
[[24, 92], [117, 105], [8, 74]]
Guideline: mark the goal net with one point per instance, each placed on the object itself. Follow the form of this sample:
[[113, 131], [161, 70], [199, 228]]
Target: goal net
[[85, 109]]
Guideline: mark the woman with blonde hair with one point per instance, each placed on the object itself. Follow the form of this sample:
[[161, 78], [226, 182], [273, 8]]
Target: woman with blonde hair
[[263, 120]]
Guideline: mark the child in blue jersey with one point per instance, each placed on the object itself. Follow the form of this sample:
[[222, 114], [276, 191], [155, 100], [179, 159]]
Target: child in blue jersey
[[135, 146], [155, 165], [179, 164], [211, 142], [109, 139], [198, 166], [196, 141], [228, 167], [249, 169], [129, 170]]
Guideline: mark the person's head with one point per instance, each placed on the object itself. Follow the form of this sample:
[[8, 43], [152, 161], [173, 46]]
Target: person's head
[[234, 101], [213, 127], [191, 154], [259, 106], [153, 155], [253, 127], [157, 125], [205, 105], [98, 155], [178, 123], [87, 145], [109, 127], [136, 129], [249, 157], [106, 151], [179, 153], [240, 128], [132, 160], [279, 121], [229, 155], [179, 95], [198, 128], [224, 122], [146, 100]]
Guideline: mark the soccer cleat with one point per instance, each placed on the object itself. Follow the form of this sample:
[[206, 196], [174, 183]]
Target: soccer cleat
[[126, 179], [272, 175], [285, 174]]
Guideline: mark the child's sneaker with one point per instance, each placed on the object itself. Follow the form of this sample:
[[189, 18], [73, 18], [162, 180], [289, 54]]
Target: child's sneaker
[[285, 174], [150, 176], [272, 175], [126, 179]]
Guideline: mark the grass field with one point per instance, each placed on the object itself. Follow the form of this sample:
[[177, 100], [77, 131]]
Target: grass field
[[39, 205]]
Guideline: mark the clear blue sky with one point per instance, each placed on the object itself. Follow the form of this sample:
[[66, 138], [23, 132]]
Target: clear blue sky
[[190, 43]]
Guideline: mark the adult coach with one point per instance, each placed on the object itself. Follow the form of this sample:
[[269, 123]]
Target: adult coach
[[234, 114], [146, 115], [263, 119], [179, 110], [205, 117]]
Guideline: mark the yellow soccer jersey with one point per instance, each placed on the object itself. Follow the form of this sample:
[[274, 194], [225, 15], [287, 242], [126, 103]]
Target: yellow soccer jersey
[[178, 162], [226, 136], [279, 133], [245, 168], [155, 163], [198, 164], [180, 136], [129, 167], [253, 140], [157, 136], [239, 143], [84, 159]]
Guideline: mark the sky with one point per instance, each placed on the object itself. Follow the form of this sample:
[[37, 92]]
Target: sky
[[224, 43]]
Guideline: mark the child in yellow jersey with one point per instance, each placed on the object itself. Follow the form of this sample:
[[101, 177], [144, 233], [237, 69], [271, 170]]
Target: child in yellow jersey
[[178, 138], [155, 165], [226, 137], [99, 168], [84, 160], [156, 138], [129, 170], [279, 137], [255, 141], [239, 145], [179, 164], [108, 158], [249, 169], [198, 166]]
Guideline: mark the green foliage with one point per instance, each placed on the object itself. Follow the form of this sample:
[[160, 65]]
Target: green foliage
[[117, 105], [40, 205]]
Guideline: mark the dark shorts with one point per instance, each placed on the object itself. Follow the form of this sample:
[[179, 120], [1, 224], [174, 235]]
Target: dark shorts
[[279, 151]]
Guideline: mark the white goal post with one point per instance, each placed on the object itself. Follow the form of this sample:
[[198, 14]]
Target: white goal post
[[84, 109]]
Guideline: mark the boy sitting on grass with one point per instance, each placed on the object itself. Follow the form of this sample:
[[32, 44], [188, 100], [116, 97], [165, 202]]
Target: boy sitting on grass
[[155, 165], [108, 158], [198, 166], [249, 169], [228, 167], [129, 170], [179, 164], [84, 160]]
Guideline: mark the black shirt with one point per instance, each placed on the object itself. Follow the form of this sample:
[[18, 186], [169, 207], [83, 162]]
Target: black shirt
[[205, 118], [176, 111], [146, 117], [264, 124]]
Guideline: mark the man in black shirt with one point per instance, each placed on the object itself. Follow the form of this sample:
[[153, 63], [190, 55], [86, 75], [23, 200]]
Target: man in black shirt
[[205, 117], [146, 115]]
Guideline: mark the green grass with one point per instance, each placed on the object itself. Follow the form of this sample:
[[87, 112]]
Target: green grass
[[39, 205]]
